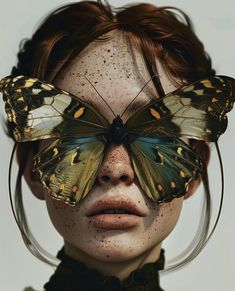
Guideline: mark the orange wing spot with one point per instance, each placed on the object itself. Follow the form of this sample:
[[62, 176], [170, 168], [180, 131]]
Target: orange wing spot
[[159, 187], [74, 188], [173, 184], [155, 113], [208, 84], [79, 112], [182, 174], [61, 187]]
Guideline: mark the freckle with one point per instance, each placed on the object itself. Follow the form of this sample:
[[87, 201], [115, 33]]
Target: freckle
[[108, 50], [162, 214], [138, 201], [107, 256]]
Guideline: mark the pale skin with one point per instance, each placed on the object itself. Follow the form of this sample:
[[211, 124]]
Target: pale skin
[[118, 77]]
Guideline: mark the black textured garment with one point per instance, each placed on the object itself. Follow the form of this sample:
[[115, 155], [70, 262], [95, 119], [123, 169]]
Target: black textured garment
[[72, 275]]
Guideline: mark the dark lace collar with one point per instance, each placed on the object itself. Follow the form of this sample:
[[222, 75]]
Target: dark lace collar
[[72, 275]]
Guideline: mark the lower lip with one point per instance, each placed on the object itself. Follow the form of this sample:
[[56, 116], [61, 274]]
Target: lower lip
[[115, 221]]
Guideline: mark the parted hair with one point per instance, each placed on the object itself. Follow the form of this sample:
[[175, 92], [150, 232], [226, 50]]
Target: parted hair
[[163, 33]]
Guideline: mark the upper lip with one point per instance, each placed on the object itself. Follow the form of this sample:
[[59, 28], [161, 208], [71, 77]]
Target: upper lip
[[115, 203]]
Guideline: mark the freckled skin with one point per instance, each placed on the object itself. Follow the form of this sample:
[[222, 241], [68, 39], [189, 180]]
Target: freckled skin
[[118, 76]]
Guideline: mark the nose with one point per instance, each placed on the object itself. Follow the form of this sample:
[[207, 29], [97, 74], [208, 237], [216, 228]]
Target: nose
[[116, 167]]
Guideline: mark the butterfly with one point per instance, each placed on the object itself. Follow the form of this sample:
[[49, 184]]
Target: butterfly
[[163, 163]]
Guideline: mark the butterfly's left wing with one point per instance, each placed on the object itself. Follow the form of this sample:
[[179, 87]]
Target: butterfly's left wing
[[68, 167], [164, 166], [197, 111]]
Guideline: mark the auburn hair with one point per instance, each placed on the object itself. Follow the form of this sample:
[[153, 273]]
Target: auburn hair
[[163, 33]]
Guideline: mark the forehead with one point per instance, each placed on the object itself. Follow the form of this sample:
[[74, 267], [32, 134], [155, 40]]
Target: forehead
[[116, 70]]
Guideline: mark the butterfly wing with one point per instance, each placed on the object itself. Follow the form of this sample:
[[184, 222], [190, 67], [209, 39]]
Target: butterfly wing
[[195, 111], [68, 167], [164, 166], [38, 110]]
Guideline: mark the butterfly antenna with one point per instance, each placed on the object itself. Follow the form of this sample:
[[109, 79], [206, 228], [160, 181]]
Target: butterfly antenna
[[128, 106], [98, 93]]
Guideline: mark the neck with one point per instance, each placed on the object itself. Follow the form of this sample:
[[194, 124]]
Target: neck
[[120, 270]]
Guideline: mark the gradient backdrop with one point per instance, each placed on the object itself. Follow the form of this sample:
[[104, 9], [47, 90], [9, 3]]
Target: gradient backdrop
[[213, 269]]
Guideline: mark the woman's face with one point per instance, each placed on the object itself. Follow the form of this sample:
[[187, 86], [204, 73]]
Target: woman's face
[[118, 73]]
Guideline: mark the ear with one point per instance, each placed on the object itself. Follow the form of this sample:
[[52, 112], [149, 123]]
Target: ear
[[24, 155], [202, 148]]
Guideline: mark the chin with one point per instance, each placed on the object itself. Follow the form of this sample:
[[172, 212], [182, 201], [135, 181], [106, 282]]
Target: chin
[[115, 248]]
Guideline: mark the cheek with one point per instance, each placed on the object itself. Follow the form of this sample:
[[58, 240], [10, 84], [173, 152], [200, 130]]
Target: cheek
[[166, 219], [62, 216]]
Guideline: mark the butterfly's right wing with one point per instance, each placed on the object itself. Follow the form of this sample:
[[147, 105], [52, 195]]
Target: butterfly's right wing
[[37, 110]]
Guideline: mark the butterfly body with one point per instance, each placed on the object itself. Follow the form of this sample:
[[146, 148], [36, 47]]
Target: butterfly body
[[116, 131], [163, 163]]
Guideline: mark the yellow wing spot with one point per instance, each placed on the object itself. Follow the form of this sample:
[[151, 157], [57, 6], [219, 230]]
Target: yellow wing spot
[[214, 100], [29, 83], [61, 187], [173, 184], [79, 112], [52, 178], [209, 109], [159, 187], [227, 103], [186, 186], [155, 113], [65, 92], [20, 99], [18, 90], [36, 91], [26, 108], [179, 151], [208, 84], [47, 87], [73, 158], [40, 173], [27, 129], [55, 152], [74, 188], [182, 174], [208, 130], [218, 91]]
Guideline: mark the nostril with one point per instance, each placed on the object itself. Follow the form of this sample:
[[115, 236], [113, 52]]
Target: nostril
[[105, 178], [123, 178]]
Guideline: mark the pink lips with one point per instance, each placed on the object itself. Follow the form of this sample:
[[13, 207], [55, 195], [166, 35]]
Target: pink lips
[[117, 220]]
